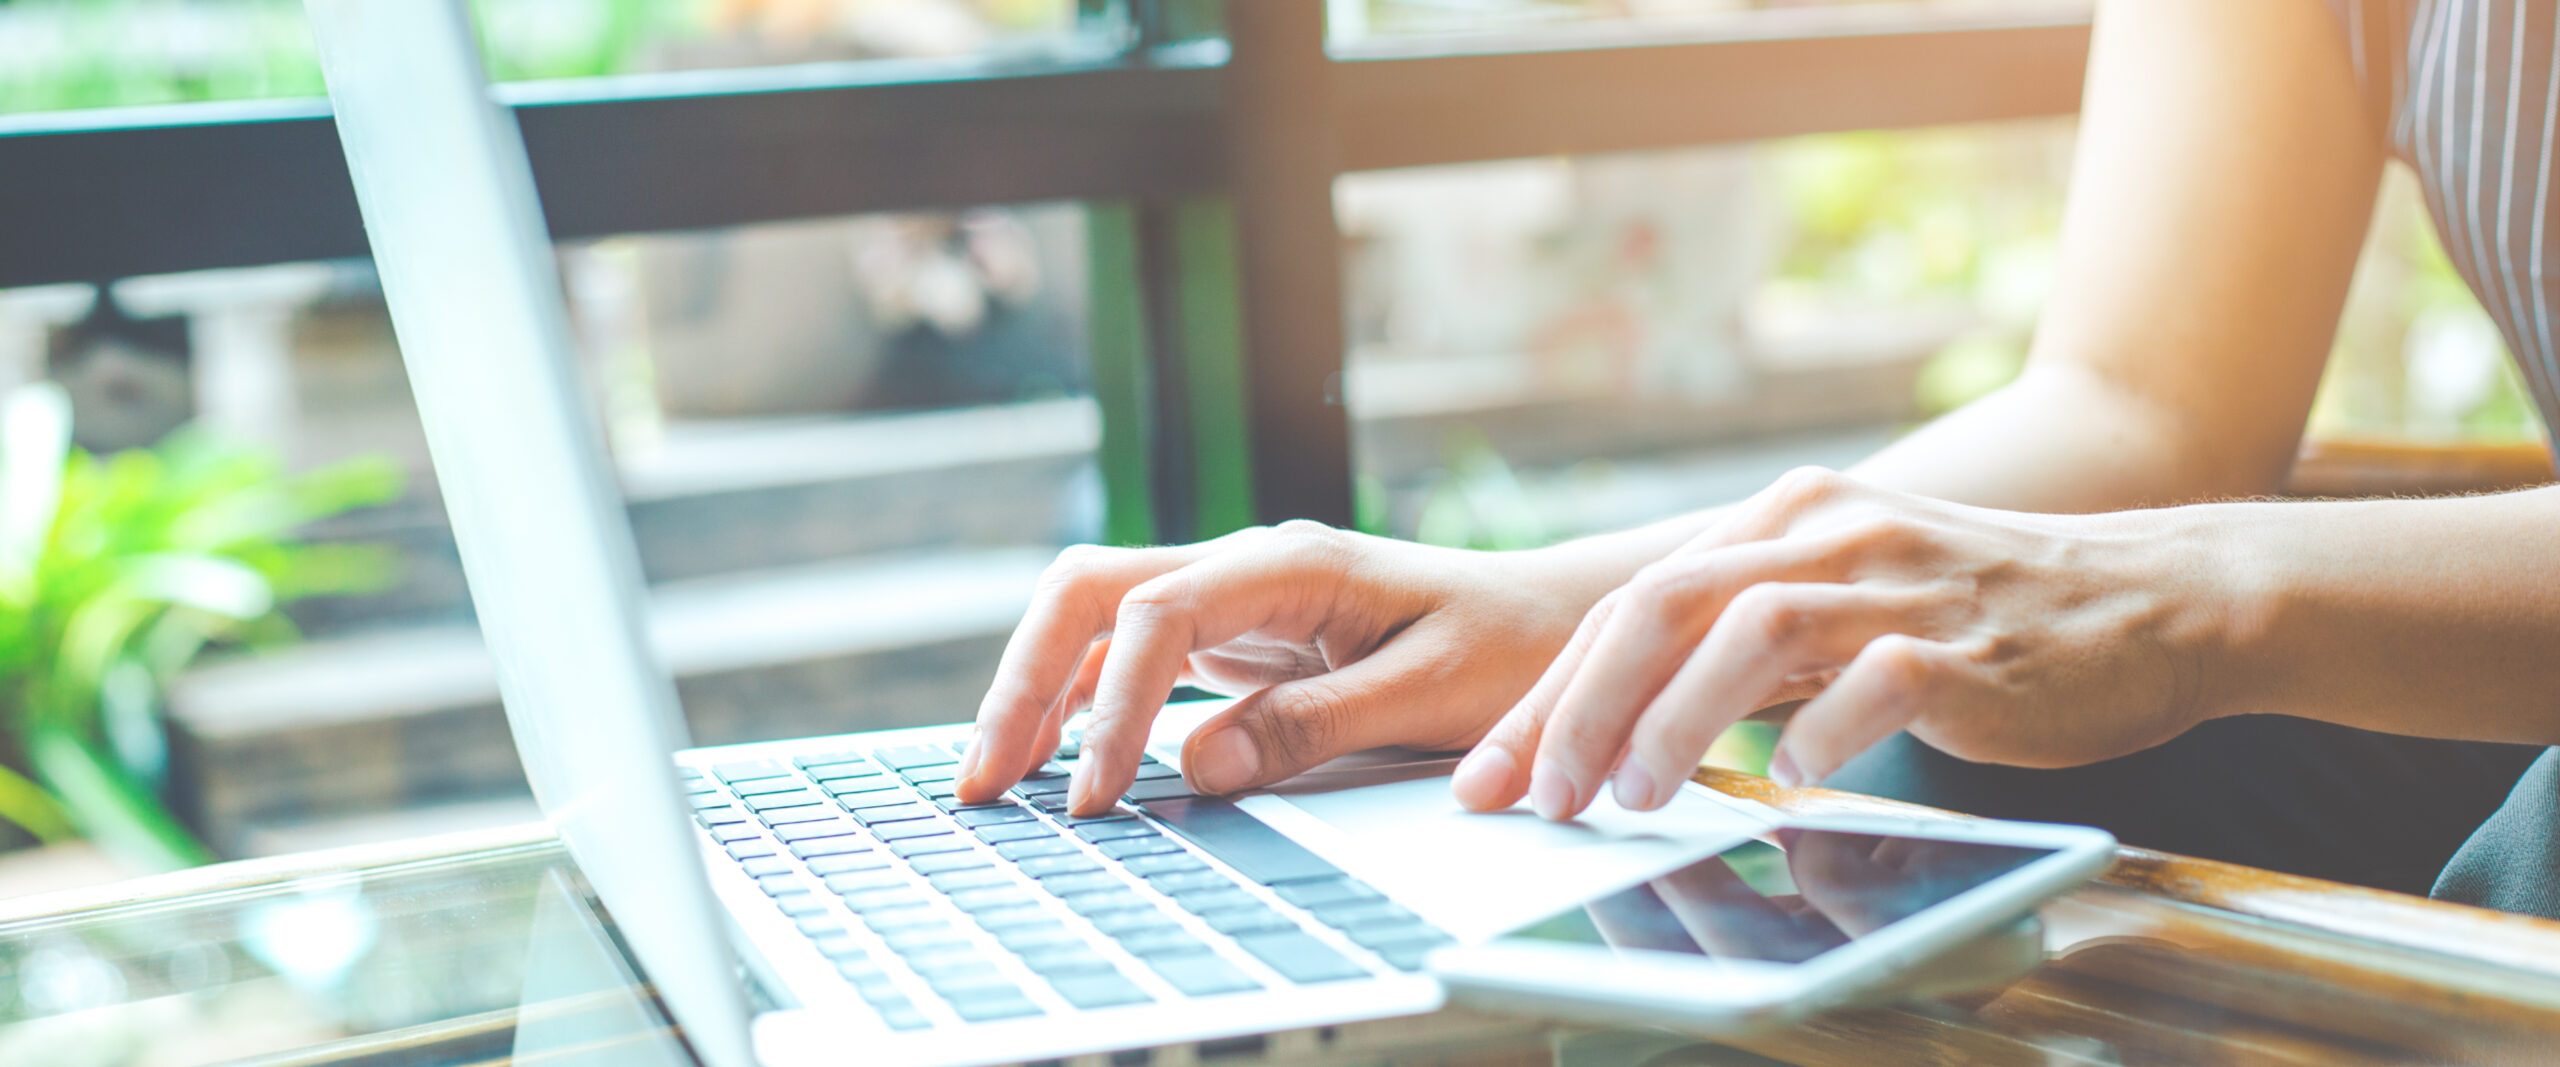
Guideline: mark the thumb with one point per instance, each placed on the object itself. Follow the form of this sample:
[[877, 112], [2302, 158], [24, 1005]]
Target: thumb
[[1283, 729]]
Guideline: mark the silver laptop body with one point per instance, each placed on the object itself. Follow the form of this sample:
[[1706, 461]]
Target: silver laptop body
[[817, 900]]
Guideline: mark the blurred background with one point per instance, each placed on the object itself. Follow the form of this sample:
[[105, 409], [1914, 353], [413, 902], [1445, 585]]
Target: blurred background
[[850, 442]]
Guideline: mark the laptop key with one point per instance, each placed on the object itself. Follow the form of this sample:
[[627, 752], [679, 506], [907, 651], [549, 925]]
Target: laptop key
[[877, 814], [1160, 789], [913, 847], [942, 862], [963, 971], [729, 833], [1105, 901], [1246, 843], [1167, 940], [1164, 863], [708, 798], [793, 833], [826, 764], [801, 813], [816, 926], [747, 850], [1045, 867], [907, 756], [1126, 847], [723, 815], [940, 773], [1235, 922], [768, 786], [1352, 915], [839, 946], [993, 814], [742, 770], [895, 919], [902, 1015], [1122, 924], [1012, 917], [1187, 881], [1152, 769], [760, 866], [1202, 975], [1198, 901], [846, 788], [1300, 958], [787, 798], [800, 904], [1003, 832], [1019, 851], [1027, 936], [988, 1007], [882, 901], [840, 845], [992, 898], [866, 881], [1101, 990], [848, 863], [1084, 882], [928, 945], [1330, 891], [1064, 957], [1113, 830], [904, 829], [968, 878]]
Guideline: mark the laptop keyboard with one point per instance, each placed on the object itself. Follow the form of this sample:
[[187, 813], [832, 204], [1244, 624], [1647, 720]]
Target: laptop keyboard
[[937, 911]]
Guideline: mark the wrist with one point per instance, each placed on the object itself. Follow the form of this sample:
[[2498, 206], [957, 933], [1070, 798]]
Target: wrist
[[2227, 571]]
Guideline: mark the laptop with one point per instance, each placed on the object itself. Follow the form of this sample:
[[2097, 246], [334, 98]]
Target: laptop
[[825, 899]]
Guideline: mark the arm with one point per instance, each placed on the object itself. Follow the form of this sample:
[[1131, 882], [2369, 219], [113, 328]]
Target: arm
[[2224, 177]]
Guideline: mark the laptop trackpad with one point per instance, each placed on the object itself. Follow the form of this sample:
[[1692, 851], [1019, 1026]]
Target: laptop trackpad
[[1396, 827]]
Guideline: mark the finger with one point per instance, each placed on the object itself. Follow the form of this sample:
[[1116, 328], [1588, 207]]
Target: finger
[[1765, 636], [1281, 730], [1665, 613], [1493, 774], [1773, 511], [1079, 696], [1881, 692], [1166, 619], [1077, 597]]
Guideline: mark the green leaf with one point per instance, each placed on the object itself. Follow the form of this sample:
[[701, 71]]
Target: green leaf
[[110, 806], [27, 806]]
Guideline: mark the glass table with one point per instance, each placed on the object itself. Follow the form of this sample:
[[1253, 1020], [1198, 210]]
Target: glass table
[[487, 948]]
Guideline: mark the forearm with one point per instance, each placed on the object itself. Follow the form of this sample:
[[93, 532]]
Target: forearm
[[2432, 617], [2093, 449]]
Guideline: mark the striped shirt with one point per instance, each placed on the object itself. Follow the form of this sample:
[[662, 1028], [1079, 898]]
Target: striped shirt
[[2468, 94]]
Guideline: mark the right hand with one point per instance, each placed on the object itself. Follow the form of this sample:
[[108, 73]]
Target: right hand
[[1342, 641]]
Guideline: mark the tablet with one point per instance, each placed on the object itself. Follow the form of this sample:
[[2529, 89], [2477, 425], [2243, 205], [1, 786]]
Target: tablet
[[1815, 914]]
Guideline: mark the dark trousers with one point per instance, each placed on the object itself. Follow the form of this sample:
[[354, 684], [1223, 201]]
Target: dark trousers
[[2268, 791]]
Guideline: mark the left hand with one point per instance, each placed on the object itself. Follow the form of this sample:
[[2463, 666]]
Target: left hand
[[2036, 640]]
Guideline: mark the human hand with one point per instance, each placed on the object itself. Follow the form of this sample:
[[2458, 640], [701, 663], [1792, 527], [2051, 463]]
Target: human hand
[[2038, 640], [1343, 641]]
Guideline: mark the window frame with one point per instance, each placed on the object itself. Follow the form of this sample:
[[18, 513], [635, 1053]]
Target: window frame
[[1212, 163]]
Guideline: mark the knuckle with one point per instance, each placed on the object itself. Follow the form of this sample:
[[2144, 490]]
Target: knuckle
[[1305, 530], [1302, 728], [1660, 592], [1073, 564], [1774, 615], [1805, 487], [1150, 603]]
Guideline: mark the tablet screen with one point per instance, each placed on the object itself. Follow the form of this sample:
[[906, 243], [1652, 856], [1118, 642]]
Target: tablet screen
[[1812, 891]]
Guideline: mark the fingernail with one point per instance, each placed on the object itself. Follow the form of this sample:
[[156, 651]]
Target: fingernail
[[969, 756], [1635, 787], [1224, 762], [1486, 772], [1782, 769], [1553, 794], [1080, 785]]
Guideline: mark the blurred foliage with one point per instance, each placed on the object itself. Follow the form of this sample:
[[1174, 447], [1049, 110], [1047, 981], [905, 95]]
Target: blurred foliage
[[115, 573], [107, 53]]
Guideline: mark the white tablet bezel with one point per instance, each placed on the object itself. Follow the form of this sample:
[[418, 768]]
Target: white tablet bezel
[[1723, 996]]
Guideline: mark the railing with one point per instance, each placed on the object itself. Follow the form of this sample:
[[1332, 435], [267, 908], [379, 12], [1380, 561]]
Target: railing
[[1210, 165]]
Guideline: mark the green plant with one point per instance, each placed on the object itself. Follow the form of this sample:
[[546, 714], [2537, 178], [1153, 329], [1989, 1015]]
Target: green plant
[[115, 572]]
